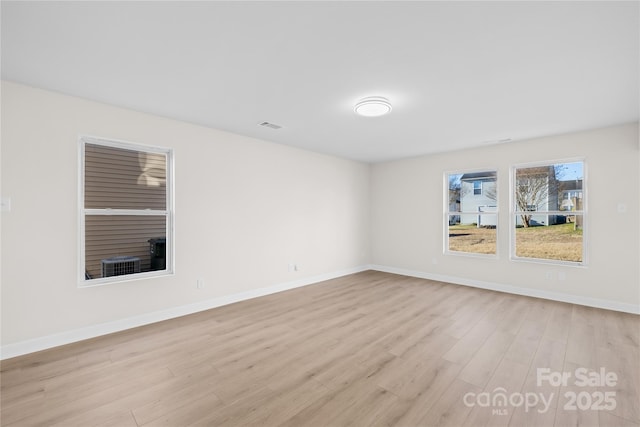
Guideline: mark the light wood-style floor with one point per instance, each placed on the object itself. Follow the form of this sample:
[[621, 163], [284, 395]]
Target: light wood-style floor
[[364, 350]]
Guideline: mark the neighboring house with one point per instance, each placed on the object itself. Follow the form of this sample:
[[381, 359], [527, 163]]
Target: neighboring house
[[478, 194], [571, 200], [571, 195], [540, 190]]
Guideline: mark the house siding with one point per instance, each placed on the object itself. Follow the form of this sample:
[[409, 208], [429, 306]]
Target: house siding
[[481, 203]]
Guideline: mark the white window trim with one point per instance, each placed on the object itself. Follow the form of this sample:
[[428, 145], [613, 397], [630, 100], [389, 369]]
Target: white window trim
[[82, 212], [447, 213], [513, 212]]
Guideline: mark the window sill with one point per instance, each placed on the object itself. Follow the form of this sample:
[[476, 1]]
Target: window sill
[[574, 264], [472, 255], [83, 283]]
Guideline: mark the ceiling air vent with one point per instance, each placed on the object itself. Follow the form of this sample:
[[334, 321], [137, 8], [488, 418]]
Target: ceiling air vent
[[270, 125]]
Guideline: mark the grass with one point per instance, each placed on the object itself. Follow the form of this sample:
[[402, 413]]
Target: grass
[[470, 238], [557, 242]]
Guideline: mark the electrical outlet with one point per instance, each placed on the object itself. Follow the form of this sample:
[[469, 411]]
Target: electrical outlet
[[199, 283], [293, 267]]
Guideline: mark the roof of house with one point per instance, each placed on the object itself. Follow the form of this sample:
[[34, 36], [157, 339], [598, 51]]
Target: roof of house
[[476, 175]]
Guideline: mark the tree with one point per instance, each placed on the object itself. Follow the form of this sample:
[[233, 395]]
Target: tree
[[454, 188], [535, 189]]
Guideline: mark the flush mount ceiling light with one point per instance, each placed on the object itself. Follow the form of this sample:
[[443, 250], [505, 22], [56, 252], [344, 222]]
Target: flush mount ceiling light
[[373, 106]]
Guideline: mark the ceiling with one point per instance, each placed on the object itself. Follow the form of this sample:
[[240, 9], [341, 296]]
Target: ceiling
[[459, 74]]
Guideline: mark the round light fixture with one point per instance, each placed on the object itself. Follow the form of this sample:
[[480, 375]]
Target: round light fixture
[[373, 106]]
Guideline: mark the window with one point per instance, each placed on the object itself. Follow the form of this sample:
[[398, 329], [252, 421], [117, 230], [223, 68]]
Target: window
[[471, 212], [477, 187], [126, 211], [548, 212]]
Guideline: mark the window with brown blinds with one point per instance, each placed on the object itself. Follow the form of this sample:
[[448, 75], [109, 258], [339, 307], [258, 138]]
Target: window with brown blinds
[[126, 210]]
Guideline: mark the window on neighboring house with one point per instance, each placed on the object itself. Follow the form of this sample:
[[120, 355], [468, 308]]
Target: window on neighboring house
[[555, 192], [477, 187], [471, 221], [126, 211]]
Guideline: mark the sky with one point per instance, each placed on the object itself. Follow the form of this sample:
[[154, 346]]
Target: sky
[[572, 171]]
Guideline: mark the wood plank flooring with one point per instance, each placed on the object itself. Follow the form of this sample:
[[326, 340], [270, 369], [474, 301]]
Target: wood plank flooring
[[370, 349]]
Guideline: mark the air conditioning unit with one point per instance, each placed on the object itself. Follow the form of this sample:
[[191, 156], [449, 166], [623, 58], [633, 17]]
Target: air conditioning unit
[[119, 265]]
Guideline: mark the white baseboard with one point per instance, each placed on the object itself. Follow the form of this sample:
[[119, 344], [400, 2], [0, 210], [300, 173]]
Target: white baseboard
[[50, 341], [537, 293]]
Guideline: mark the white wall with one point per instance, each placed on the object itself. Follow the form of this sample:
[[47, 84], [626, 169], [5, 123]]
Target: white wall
[[244, 209], [407, 219]]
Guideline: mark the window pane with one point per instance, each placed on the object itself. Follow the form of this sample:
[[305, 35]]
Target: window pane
[[472, 212], [107, 237], [549, 212], [552, 187], [561, 241], [473, 233], [472, 192], [117, 178]]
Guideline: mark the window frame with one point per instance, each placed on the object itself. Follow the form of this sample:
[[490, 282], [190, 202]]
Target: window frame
[[168, 212], [448, 213], [513, 213]]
